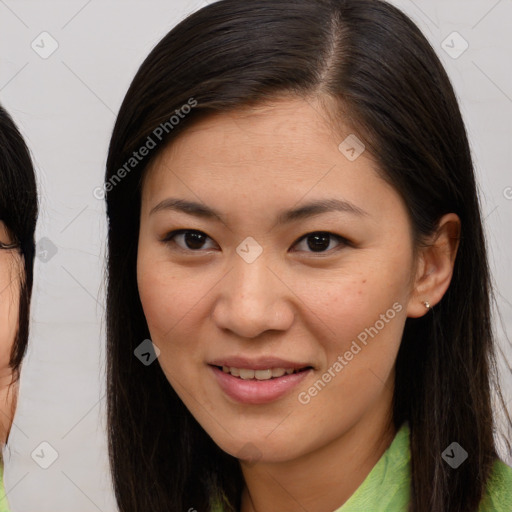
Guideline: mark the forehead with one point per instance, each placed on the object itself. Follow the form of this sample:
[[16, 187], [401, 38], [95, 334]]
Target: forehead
[[263, 156], [292, 137], [288, 127]]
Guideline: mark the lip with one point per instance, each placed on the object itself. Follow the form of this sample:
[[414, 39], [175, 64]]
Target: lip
[[255, 392]]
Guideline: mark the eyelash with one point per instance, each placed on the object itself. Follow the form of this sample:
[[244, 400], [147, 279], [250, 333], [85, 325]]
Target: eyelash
[[8, 246], [169, 240]]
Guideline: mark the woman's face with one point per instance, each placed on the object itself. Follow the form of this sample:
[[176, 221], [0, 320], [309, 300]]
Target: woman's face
[[272, 284], [10, 267]]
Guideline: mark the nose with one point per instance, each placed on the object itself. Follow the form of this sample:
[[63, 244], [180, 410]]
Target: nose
[[252, 299]]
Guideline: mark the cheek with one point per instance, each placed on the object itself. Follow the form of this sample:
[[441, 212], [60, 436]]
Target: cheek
[[352, 300], [9, 314], [170, 299], [171, 302], [358, 315]]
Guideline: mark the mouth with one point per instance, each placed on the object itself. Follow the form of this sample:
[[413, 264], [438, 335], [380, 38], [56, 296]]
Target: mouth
[[261, 374], [270, 381]]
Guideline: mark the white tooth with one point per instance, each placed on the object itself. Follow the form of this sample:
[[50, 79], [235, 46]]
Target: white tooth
[[225, 369], [278, 372], [263, 374], [289, 371], [246, 374], [235, 372]]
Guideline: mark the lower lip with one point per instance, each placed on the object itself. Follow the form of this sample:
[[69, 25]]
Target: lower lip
[[257, 391]]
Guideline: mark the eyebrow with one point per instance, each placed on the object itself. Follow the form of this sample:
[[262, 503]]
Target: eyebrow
[[308, 210]]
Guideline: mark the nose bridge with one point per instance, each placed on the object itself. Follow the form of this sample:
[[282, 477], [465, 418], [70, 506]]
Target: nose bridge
[[252, 284], [252, 299]]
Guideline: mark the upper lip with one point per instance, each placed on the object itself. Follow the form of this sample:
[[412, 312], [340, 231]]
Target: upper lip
[[260, 363]]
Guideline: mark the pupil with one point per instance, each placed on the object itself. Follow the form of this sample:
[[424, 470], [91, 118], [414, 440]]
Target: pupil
[[193, 240], [321, 242]]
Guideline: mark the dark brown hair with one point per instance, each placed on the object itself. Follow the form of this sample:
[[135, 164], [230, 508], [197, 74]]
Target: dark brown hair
[[18, 211], [383, 75]]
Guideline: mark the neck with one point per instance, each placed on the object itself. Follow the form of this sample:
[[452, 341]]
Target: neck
[[325, 479]]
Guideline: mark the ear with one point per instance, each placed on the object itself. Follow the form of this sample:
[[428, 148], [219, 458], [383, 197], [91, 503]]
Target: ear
[[435, 266]]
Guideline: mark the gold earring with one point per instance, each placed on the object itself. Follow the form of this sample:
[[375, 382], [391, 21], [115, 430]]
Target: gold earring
[[427, 304]]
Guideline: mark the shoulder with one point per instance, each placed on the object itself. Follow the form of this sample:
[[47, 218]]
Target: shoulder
[[498, 495]]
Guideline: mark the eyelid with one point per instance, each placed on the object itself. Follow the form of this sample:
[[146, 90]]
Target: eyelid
[[13, 245]]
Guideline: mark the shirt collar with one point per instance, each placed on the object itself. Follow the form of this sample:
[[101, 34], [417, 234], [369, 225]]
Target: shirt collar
[[387, 486]]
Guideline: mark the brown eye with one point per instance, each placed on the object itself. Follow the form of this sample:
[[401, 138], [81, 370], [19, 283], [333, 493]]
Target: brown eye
[[187, 239], [320, 241]]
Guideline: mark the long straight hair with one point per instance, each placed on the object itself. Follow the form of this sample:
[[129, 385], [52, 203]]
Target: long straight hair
[[387, 81], [18, 211]]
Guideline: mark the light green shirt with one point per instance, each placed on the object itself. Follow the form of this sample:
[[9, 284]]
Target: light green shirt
[[4, 506], [387, 487]]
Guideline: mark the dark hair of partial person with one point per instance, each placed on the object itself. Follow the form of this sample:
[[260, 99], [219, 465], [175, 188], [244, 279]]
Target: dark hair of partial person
[[377, 74], [18, 211]]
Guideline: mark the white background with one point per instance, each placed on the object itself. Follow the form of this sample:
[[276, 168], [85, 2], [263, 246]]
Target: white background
[[65, 106]]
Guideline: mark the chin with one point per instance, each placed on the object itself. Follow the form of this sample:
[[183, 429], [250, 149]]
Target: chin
[[261, 450]]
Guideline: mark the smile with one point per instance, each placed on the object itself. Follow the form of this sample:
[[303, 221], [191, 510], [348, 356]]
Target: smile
[[267, 374]]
